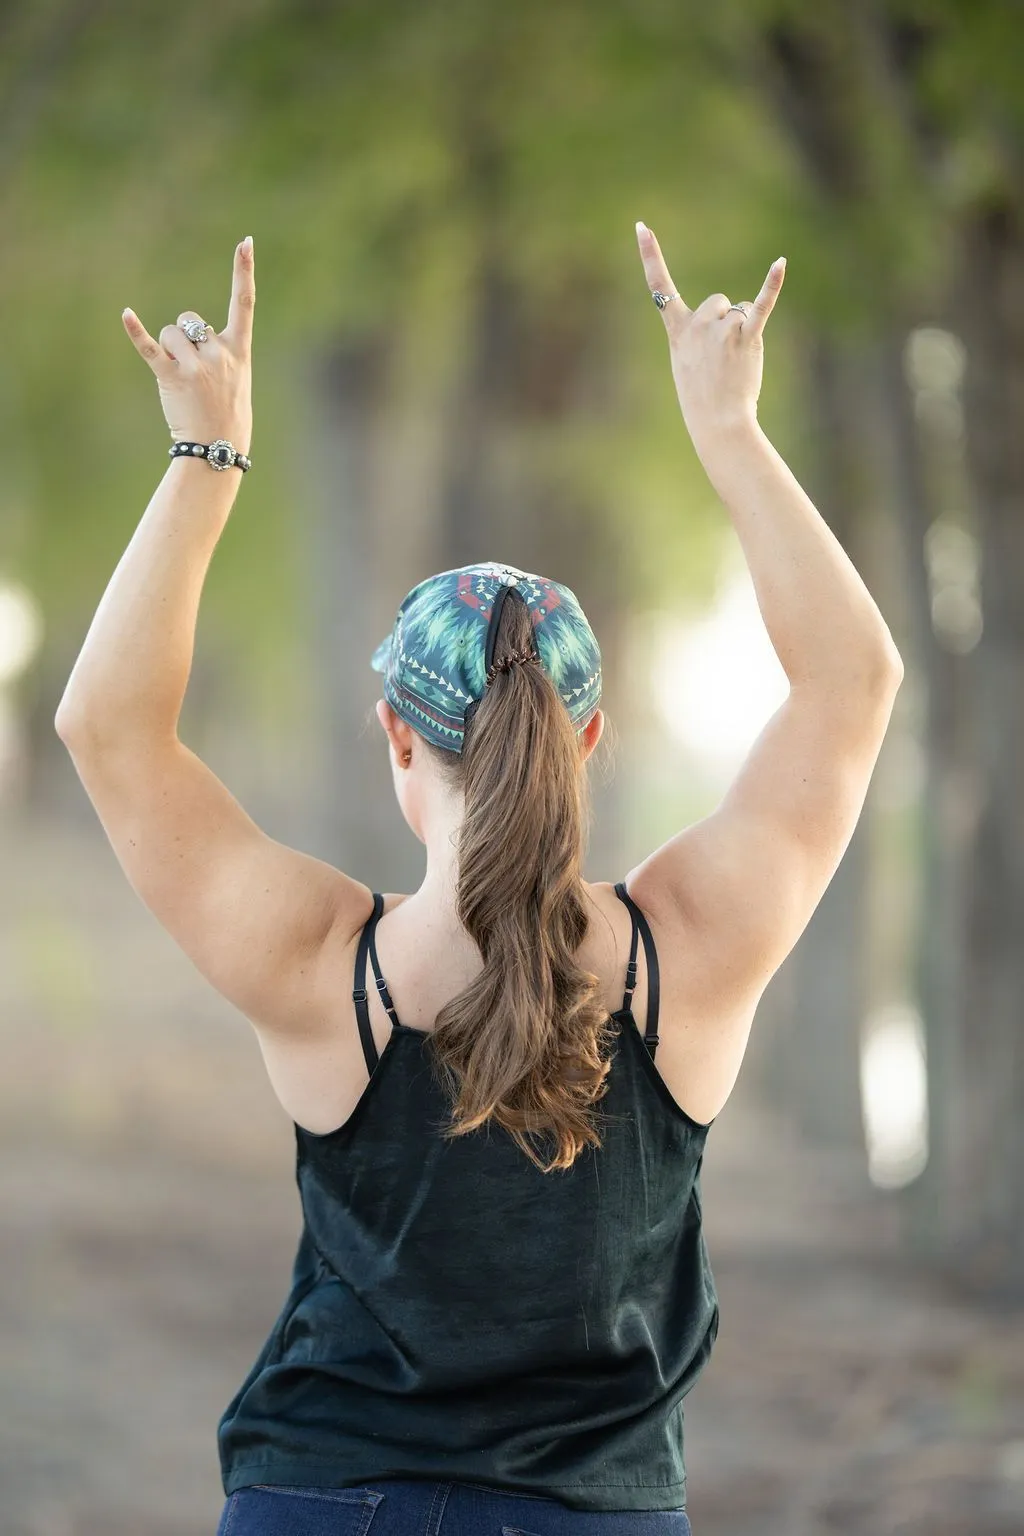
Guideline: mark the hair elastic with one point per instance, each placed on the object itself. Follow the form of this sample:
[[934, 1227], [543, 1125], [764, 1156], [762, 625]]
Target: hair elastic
[[505, 663]]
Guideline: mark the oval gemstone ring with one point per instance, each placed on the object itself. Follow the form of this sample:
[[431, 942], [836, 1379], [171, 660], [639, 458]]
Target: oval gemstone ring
[[196, 330]]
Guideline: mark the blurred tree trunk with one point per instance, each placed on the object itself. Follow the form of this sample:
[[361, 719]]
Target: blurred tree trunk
[[989, 302], [923, 476], [346, 817]]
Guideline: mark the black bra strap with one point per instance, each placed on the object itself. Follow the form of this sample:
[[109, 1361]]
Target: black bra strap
[[640, 923], [627, 1001], [359, 989], [382, 986]]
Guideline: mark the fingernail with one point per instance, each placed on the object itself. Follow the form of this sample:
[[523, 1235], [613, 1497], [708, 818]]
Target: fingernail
[[641, 228], [127, 314], [779, 263], [247, 243]]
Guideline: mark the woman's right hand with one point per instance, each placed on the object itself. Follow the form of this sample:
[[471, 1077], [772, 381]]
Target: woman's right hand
[[206, 388], [717, 352]]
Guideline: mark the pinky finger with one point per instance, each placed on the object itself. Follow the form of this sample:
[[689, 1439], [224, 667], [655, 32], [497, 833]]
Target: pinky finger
[[154, 354]]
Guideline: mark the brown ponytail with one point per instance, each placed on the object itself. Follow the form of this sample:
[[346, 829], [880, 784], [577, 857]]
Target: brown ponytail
[[523, 1043]]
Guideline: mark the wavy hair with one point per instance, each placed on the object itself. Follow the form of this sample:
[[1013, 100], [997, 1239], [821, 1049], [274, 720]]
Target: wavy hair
[[523, 1044]]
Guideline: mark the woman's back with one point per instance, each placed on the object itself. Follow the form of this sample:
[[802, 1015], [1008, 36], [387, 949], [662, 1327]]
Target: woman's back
[[427, 958], [455, 1306]]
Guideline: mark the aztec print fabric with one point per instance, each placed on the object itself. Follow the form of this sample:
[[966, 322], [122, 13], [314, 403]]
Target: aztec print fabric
[[435, 660]]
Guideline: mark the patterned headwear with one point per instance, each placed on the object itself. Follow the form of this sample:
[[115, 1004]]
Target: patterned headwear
[[436, 659]]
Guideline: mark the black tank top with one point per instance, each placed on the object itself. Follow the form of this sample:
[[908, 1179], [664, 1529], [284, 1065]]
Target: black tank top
[[457, 1314]]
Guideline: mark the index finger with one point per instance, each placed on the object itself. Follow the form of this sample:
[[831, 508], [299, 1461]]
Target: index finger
[[243, 295], [658, 278], [765, 301]]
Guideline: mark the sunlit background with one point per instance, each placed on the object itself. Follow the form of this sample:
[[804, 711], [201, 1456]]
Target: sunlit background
[[457, 359]]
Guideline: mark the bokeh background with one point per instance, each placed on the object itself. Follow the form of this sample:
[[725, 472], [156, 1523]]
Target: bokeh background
[[456, 358]]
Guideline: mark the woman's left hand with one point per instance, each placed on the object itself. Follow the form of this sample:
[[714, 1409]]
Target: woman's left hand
[[206, 387]]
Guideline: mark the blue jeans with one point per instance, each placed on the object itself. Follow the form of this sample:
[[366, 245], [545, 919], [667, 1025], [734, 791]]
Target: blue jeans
[[416, 1507]]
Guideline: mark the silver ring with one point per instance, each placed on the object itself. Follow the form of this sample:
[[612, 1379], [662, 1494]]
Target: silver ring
[[661, 299], [743, 307], [196, 330]]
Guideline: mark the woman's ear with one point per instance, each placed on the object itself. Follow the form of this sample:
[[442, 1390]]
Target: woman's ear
[[399, 733], [592, 733]]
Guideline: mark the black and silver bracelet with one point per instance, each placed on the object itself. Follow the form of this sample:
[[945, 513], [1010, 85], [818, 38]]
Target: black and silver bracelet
[[219, 454]]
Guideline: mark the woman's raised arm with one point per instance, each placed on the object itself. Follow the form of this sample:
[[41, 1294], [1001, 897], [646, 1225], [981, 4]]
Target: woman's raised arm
[[742, 884], [252, 914]]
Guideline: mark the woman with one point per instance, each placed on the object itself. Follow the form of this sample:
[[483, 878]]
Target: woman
[[501, 1292]]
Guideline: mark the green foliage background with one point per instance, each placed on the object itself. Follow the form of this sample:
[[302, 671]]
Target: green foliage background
[[337, 136]]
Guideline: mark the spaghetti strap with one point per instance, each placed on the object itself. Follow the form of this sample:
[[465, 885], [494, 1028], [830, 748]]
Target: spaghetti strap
[[359, 988], [641, 926], [627, 999], [367, 941], [382, 986]]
